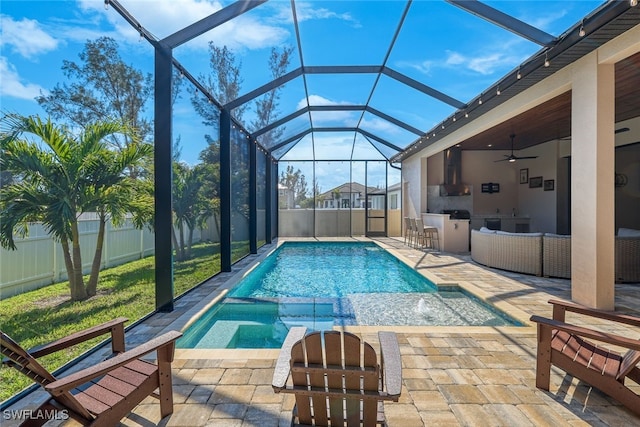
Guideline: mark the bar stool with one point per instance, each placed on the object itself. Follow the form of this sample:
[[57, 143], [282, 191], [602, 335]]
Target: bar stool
[[408, 231], [431, 239]]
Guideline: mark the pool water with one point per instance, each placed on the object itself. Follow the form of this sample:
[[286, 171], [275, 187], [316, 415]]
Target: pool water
[[322, 285]]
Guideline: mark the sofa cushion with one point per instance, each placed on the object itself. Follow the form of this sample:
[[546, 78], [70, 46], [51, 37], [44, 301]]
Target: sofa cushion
[[628, 232], [486, 230]]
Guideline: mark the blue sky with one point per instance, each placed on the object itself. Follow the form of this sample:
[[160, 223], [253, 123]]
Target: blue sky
[[439, 45]]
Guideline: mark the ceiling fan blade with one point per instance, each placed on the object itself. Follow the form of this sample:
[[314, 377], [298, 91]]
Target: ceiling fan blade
[[526, 157], [502, 160]]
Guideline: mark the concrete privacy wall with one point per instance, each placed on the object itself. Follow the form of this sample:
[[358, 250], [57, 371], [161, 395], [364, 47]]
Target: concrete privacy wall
[[38, 261], [333, 222]]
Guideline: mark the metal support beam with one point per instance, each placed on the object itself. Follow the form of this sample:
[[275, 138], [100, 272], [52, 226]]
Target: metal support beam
[[253, 197], [225, 190], [274, 194], [211, 22], [505, 21], [268, 198], [163, 179], [423, 88], [263, 89], [395, 121]]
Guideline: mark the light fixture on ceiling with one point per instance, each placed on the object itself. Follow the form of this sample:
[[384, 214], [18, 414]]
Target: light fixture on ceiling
[[498, 91], [519, 75], [582, 33], [633, 3], [480, 100], [466, 115], [512, 157], [546, 60]]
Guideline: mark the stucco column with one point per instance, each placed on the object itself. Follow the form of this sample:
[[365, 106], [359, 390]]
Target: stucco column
[[592, 186]]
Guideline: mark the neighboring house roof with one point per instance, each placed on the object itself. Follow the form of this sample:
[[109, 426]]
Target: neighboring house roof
[[347, 187], [394, 187]]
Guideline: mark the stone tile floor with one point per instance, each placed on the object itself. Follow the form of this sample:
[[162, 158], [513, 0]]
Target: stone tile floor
[[452, 376]]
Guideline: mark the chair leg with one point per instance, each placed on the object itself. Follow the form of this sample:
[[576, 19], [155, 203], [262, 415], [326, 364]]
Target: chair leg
[[543, 359]]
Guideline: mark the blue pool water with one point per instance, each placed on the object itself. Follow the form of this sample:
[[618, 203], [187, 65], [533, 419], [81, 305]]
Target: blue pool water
[[322, 285]]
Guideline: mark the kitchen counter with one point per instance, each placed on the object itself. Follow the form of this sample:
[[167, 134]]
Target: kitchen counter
[[452, 233]]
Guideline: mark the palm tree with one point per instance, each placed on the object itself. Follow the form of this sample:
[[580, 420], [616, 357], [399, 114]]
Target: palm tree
[[57, 176], [190, 206]]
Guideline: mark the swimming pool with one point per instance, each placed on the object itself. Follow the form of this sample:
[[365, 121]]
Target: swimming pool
[[321, 285]]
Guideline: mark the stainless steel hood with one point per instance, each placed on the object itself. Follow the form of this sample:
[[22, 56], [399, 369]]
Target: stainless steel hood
[[453, 185]]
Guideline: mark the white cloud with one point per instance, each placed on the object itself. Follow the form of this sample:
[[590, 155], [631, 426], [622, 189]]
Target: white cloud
[[165, 17], [11, 83], [25, 37], [377, 125], [305, 12]]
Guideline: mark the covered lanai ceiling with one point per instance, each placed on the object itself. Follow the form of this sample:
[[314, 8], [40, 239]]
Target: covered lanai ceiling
[[373, 79]]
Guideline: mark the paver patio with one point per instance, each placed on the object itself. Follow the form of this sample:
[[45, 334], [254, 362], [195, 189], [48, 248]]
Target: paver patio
[[467, 376]]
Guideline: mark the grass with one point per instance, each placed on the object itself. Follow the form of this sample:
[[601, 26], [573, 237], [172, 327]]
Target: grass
[[128, 290]]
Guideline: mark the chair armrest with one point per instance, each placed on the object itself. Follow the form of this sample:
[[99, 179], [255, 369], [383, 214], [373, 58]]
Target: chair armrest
[[115, 326], [391, 363], [283, 365], [72, 381], [560, 306], [614, 339]]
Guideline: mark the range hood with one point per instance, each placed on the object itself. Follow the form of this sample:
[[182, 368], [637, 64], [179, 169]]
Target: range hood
[[453, 185]]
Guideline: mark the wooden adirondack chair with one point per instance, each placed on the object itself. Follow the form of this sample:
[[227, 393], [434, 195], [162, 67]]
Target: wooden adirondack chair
[[336, 377], [568, 347], [103, 394]]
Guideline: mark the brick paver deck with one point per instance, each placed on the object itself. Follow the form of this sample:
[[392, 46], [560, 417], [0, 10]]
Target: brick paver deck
[[452, 376]]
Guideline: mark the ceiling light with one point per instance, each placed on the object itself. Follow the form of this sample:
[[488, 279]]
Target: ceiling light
[[454, 117], [489, 145], [519, 75], [582, 33], [443, 126], [480, 100], [512, 160], [546, 60], [466, 115], [633, 3], [498, 91]]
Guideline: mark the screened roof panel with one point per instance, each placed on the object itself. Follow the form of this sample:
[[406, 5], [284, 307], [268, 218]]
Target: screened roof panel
[[333, 145], [363, 150], [336, 32], [345, 89], [416, 109], [303, 150], [286, 131], [335, 118], [283, 151], [455, 49]]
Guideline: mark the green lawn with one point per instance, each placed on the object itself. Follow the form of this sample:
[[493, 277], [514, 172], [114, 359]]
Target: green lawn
[[128, 290]]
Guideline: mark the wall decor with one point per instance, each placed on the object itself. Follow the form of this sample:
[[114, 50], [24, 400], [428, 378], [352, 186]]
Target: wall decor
[[524, 176], [490, 187], [535, 182], [549, 184]]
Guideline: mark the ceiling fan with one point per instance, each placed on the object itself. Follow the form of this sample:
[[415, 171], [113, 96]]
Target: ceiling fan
[[512, 157]]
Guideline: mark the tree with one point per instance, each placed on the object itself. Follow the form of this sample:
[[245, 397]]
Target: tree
[[190, 207], [58, 176], [267, 105], [295, 181], [102, 88]]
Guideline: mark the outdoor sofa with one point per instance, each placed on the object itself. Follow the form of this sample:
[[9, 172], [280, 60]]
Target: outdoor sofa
[[549, 254]]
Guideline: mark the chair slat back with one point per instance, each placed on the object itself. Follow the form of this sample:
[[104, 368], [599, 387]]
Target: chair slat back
[[20, 359], [629, 361], [338, 368]]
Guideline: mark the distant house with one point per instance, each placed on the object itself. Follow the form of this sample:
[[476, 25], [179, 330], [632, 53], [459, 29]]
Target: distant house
[[347, 195], [285, 197], [393, 197]]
